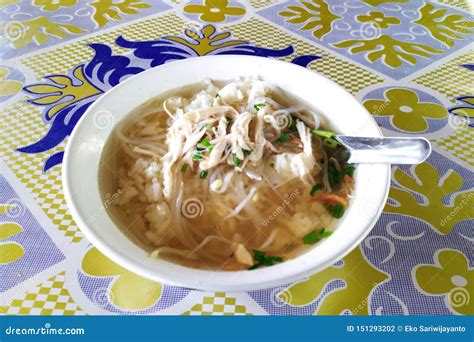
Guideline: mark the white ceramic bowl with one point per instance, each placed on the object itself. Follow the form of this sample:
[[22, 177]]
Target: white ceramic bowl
[[83, 153]]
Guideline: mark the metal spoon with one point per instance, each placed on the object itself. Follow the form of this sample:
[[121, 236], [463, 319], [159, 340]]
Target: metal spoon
[[385, 150]]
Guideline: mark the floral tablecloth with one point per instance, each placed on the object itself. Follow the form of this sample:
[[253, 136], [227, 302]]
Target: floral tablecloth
[[410, 63]]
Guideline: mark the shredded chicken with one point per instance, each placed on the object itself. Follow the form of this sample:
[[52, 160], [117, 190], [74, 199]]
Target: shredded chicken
[[236, 133], [300, 164]]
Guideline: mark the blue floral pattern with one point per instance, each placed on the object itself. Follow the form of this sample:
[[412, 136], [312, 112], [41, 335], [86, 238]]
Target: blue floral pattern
[[107, 69]]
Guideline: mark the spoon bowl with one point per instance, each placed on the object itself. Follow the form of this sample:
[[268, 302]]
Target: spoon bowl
[[395, 150]]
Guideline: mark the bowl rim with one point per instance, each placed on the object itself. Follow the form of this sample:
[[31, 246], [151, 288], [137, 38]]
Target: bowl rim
[[276, 275]]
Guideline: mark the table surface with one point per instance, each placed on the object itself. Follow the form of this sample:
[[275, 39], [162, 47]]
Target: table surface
[[410, 64]]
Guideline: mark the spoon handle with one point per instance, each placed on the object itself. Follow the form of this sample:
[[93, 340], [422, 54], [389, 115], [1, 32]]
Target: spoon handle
[[385, 150]]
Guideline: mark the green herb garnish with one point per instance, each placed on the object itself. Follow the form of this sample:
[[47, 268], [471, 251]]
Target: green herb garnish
[[315, 236], [334, 175], [263, 260], [259, 106], [349, 170], [292, 126], [337, 211], [197, 155], [184, 167], [236, 161], [331, 143], [205, 144], [203, 174], [217, 95], [272, 165], [284, 138], [315, 188], [247, 152], [323, 134], [328, 137]]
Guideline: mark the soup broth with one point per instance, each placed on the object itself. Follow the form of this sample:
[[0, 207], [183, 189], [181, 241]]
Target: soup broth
[[226, 175]]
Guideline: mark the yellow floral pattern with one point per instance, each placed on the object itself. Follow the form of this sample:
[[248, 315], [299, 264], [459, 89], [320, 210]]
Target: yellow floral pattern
[[37, 31], [208, 42], [405, 109], [451, 277], [359, 277], [444, 28], [9, 251], [8, 87], [128, 290], [53, 5], [392, 51], [214, 11], [104, 10], [432, 187], [315, 14], [63, 92], [378, 19]]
